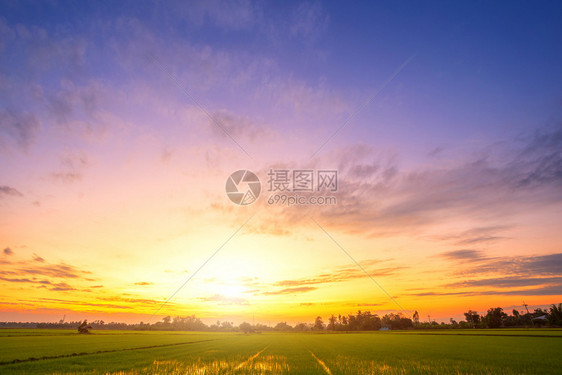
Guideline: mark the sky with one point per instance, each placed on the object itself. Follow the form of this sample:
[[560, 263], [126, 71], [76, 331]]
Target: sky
[[120, 124]]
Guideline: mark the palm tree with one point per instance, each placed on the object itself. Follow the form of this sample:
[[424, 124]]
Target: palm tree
[[555, 316]]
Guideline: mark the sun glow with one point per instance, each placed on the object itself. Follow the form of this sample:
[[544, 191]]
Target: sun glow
[[231, 290]]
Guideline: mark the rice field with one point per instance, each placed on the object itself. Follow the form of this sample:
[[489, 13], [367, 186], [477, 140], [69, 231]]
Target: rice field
[[407, 352]]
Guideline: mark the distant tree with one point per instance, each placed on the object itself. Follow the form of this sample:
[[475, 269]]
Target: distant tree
[[495, 317], [332, 323], [472, 317], [301, 327], [416, 318], [397, 321], [246, 327], [370, 322], [283, 326], [352, 323], [318, 324], [167, 319], [555, 315]]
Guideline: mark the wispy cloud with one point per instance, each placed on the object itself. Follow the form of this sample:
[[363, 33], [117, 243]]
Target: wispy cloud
[[464, 255], [79, 304], [309, 20], [60, 270], [519, 275], [552, 290], [37, 266], [228, 15], [379, 197], [225, 300], [8, 251], [297, 290], [18, 126], [72, 165], [60, 286], [507, 282], [342, 274], [9, 191], [529, 266], [37, 258]]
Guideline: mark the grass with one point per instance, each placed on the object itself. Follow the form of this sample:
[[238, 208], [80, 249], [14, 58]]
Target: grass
[[416, 352]]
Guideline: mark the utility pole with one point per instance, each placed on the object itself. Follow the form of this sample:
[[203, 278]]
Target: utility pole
[[524, 304], [529, 314]]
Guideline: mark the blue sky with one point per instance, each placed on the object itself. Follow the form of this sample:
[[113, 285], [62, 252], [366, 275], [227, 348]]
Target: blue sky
[[479, 70]]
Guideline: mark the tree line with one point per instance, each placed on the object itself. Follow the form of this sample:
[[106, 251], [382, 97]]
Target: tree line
[[361, 321]]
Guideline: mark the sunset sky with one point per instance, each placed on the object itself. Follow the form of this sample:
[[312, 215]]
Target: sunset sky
[[120, 124]]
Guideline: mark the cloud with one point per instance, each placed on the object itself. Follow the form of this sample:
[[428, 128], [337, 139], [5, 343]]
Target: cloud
[[436, 151], [238, 127], [61, 286], [537, 275], [135, 301], [76, 303], [302, 289], [12, 280], [228, 15], [343, 274], [463, 255], [37, 266], [553, 290], [378, 197], [144, 283], [29, 86], [73, 164], [77, 107], [309, 20], [19, 126], [474, 240], [476, 235], [67, 177], [507, 282], [8, 251], [9, 191], [528, 266], [60, 270], [225, 300], [541, 160]]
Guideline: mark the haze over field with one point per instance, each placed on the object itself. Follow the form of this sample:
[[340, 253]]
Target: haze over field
[[120, 124]]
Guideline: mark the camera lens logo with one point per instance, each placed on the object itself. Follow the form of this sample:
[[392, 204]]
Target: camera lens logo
[[243, 187]]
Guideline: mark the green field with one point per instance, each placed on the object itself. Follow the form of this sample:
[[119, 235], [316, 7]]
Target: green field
[[417, 352]]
